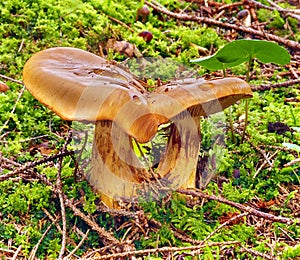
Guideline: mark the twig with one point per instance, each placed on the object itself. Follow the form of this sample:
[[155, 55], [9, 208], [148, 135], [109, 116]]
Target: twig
[[256, 253], [53, 220], [287, 83], [108, 239], [239, 206], [116, 212], [257, 148], [61, 199], [164, 249], [286, 234], [13, 109], [79, 245], [264, 164], [28, 166], [120, 22], [292, 162], [186, 17], [284, 11], [7, 250], [26, 140], [258, 4], [21, 45], [11, 79], [229, 6], [225, 224], [35, 248], [17, 253]]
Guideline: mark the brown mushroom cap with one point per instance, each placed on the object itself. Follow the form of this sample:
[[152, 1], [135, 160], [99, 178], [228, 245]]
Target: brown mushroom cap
[[207, 97], [78, 85]]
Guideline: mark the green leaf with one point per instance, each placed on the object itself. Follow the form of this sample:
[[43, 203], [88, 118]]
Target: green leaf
[[237, 52], [294, 147], [217, 63], [264, 51]]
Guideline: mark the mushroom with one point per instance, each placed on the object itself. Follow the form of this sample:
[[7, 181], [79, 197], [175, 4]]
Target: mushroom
[[143, 12], [78, 85]]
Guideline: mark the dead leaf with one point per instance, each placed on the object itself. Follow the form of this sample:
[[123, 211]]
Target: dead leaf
[[123, 47], [227, 216], [43, 148], [3, 87]]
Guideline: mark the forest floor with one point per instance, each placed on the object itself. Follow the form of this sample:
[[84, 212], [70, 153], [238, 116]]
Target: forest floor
[[246, 204]]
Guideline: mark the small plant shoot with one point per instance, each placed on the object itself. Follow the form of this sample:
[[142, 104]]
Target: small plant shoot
[[236, 52]]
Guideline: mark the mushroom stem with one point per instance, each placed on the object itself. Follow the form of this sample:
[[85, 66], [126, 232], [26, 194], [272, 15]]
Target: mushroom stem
[[116, 171], [178, 164]]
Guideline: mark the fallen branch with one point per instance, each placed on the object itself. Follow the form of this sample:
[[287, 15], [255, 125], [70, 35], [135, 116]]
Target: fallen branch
[[239, 206], [186, 17], [287, 83], [30, 165]]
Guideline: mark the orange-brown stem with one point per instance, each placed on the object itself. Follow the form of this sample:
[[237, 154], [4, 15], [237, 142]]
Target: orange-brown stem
[[116, 171], [179, 162]]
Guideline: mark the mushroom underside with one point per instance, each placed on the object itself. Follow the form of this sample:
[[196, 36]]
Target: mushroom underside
[[119, 175]]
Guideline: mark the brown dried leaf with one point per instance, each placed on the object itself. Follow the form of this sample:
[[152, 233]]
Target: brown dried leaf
[[123, 47], [3, 87]]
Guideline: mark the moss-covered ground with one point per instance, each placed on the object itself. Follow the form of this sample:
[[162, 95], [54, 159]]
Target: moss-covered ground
[[258, 172]]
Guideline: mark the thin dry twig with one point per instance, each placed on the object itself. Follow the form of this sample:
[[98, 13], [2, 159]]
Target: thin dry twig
[[165, 250], [284, 11], [53, 220], [11, 79], [186, 17], [264, 164], [108, 239], [13, 109], [35, 248], [59, 186], [287, 83], [225, 224], [25, 140], [256, 253], [30, 165], [120, 22], [241, 207], [79, 245], [16, 254], [295, 161]]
